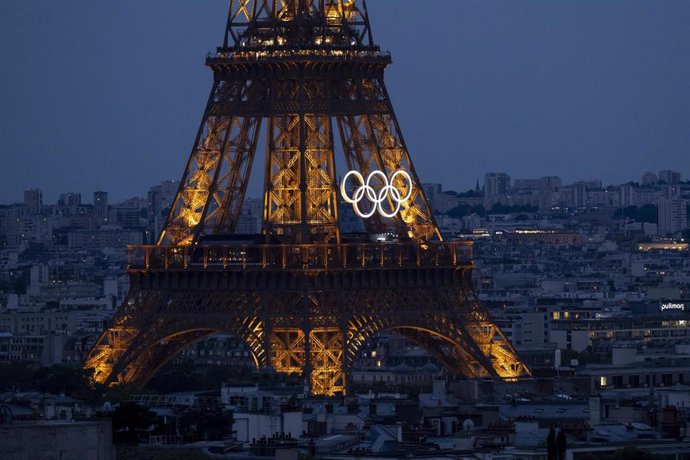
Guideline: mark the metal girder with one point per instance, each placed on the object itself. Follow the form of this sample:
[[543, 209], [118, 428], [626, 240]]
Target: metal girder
[[300, 191], [253, 23], [314, 333], [374, 141], [361, 155], [152, 326], [453, 357], [213, 185], [327, 349], [145, 365], [287, 350]]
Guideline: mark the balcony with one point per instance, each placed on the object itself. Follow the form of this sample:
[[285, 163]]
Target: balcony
[[300, 256]]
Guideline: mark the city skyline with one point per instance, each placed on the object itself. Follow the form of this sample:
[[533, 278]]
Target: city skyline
[[482, 250], [562, 100], [113, 199]]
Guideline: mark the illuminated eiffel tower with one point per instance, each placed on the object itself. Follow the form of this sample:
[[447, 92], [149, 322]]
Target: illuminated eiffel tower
[[303, 296]]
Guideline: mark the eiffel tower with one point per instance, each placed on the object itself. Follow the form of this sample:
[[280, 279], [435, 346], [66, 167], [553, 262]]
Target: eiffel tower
[[304, 296]]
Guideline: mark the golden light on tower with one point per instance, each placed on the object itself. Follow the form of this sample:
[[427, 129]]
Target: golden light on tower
[[304, 297]]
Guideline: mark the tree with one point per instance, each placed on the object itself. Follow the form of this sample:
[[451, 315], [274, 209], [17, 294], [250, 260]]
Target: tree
[[61, 379], [208, 423], [629, 212], [56, 379], [463, 210], [561, 445], [175, 377], [131, 421], [551, 444], [16, 376], [471, 193], [647, 213]]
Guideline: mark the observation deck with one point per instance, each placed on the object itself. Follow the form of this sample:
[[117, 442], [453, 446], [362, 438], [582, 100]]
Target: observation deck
[[309, 257]]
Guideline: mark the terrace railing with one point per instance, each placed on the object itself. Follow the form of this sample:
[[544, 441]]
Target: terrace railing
[[300, 256]]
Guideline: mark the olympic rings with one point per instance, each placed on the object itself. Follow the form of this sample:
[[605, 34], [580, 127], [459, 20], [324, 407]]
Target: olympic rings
[[387, 191]]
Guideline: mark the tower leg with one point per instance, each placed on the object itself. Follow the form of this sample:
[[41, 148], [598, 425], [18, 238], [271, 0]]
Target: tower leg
[[214, 183], [153, 326], [327, 374]]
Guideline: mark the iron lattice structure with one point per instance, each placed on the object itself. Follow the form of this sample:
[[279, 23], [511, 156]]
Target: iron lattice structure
[[304, 297]]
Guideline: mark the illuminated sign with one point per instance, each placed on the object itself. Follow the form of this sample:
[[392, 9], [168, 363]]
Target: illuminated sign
[[366, 191], [672, 306]]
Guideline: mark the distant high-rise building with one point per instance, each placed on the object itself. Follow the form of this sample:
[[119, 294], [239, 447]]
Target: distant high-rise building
[[627, 195], [649, 178], [645, 196], [496, 184], [253, 207], [673, 215], [160, 199], [550, 183], [592, 184], [248, 225], [128, 213], [526, 184], [432, 192], [546, 183], [104, 237], [669, 177], [580, 194], [71, 199], [33, 200], [70, 202], [100, 206]]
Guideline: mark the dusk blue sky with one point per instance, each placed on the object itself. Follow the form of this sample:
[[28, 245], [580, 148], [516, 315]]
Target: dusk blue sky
[[98, 95]]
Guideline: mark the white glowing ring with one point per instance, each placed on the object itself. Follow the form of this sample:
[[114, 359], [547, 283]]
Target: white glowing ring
[[388, 191]]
